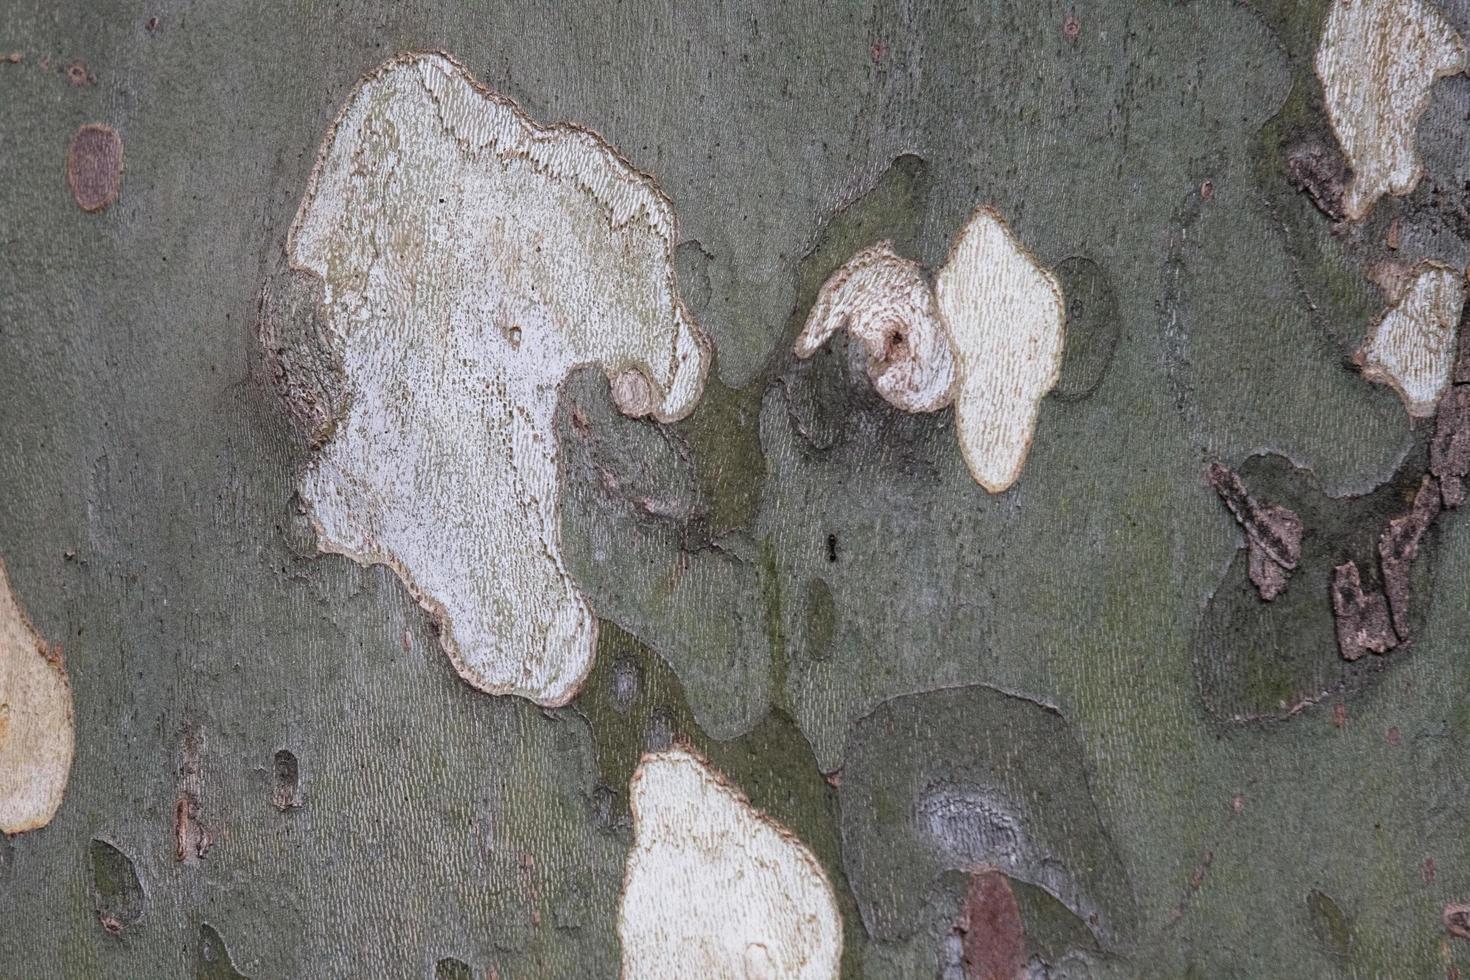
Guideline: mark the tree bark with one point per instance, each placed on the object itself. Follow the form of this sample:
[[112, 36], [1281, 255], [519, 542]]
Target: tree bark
[[1100, 723]]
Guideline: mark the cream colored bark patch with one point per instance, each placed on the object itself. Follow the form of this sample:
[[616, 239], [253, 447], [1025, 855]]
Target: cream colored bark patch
[[470, 260], [1413, 347], [1006, 315], [1377, 61], [37, 732], [885, 301], [716, 889], [987, 336]]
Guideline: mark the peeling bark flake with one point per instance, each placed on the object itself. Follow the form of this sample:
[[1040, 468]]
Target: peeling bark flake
[[1398, 545], [37, 729], [470, 259], [1413, 347], [1363, 623], [1319, 173], [1377, 61], [987, 336], [1273, 533], [1449, 451], [714, 888]]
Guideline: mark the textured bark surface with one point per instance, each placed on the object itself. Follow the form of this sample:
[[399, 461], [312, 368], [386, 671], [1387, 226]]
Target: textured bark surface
[[1073, 684]]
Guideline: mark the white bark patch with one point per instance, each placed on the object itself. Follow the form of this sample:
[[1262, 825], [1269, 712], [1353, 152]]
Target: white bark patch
[[37, 732], [987, 336], [1377, 61], [716, 889], [1413, 347], [1006, 315], [886, 302], [470, 260]]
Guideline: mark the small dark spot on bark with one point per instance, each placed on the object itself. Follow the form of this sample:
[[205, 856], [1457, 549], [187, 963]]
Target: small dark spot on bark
[[1207, 190], [286, 781], [625, 683], [116, 892], [604, 805], [1339, 714], [1363, 623], [77, 74], [993, 935], [1273, 533], [152, 24], [450, 968], [1320, 173], [1071, 27], [895, 347], [94, 166], [1333, 929], [660, 732], [1457, 920], [832, 547]]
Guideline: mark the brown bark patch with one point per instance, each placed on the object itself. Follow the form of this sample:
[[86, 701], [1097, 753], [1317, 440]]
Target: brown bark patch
[[994, 936], [1457, 920], [94, 166], [1273, 533], [1397, 547], [1363, 623]]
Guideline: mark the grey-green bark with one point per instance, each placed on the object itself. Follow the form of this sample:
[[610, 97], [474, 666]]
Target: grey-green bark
[[847, 594]]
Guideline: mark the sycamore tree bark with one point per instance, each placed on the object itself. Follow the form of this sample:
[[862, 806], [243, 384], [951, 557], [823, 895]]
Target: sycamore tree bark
[[1186, 697]]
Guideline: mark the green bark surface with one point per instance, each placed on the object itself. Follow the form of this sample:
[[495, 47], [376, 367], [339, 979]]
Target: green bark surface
[[822, 589]]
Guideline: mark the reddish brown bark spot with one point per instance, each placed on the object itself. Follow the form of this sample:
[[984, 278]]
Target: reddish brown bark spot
[[77, 74], [1339, 714], [994, 936], [1394, 736], [1201, 870], [94, 166], [1426, 871], [1207, 190], [1071, 27]]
